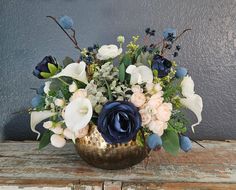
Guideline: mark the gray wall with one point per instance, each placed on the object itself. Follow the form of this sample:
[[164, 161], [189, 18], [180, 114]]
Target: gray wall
[[208, 52]]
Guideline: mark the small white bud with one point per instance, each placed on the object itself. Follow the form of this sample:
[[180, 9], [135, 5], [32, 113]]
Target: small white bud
[[73, 87], [57, 141], [47, 124], [59, 102]]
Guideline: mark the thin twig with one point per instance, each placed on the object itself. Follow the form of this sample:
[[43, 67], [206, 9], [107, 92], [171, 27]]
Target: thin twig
[[74, 42]]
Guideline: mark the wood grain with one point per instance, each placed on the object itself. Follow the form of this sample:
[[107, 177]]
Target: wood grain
[[215, 166]]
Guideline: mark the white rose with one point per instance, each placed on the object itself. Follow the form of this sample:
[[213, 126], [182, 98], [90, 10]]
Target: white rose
[[106, 52], [139, 74], [157, 127]]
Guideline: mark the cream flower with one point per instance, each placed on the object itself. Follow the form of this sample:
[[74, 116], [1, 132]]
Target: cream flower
[[154, 88], [78, 114], [136, 88], [80, 93], [138, 99], [157, 127], [146, 117], [139, 74], [106, 52], [74, 70], [164, 112], [57, 141], [155, 100], [192, 100]]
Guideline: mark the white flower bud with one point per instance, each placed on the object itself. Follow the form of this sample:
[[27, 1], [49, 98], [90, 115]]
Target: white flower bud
[[59, 102], [47, 124], [46, 88], [68, 133], [73, 87], [57, 141], [121, 39]]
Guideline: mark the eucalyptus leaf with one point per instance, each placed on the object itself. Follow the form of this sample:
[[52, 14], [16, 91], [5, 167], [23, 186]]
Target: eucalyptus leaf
[[170, 141], [67, 61]]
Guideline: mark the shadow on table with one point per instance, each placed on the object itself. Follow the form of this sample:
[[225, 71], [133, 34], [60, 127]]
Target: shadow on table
[[18, 128]]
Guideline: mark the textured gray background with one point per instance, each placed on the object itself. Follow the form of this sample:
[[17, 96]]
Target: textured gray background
[[208, 52]]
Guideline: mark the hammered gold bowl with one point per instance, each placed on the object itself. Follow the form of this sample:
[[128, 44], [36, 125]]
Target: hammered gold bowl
[[95, 151]]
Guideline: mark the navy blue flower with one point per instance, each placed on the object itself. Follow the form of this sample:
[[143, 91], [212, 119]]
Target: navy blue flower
[[46, 68], [119, 122], [169, 34], [162, 65], [66, 22]]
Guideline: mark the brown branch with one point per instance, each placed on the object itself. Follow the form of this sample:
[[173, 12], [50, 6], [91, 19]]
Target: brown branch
[[73, 40]]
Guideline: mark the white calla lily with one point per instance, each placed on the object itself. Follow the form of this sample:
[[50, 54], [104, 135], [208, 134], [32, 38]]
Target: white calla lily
[[74, 70], [37, 116], [192, 101], [139, 74], [78, 114]]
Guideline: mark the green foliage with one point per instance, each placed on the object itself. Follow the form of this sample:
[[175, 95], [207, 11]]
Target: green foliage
[[140, 139], [45, 139], [45, 75], [52, 68], [170, 140], [171, 90], [126, 60], [59, 89], [122, 72], [178, 126], [109, 91], [67, 61], [137, 53]]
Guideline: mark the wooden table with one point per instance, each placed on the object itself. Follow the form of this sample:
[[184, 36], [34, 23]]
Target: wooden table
[[23, 166]]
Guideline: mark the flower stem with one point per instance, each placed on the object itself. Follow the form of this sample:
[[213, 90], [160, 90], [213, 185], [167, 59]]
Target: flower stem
[[64, 82], [73, 39]]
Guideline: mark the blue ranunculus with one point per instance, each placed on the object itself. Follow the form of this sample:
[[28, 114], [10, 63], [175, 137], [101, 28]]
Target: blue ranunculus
[[162, 65], [66, 22], [119, 122], [169, 34], [46, 68]]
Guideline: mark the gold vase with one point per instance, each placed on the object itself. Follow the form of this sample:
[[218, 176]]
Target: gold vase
[[95, 151]]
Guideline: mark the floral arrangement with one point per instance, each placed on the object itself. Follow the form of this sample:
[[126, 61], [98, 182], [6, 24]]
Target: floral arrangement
[[133, 92]]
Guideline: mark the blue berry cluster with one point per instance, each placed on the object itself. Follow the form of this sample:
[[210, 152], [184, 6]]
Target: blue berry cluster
[[150, 32], [162, 65], [89, 57], [154, 142], [185, 143]]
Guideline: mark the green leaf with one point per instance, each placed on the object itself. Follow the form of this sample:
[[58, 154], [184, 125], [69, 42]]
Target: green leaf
[[45, 75], [138, 52], [45, 139], [126, 60], [122, 72], [108, 91], [170, 141], [52, 68], [67, 61]]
